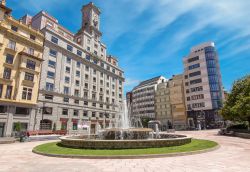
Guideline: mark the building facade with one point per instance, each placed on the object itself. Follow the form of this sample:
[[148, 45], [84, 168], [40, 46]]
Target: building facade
[[21, 49], [177, 101], [80, 83], [203, 86], [170, 104], [143, 98]]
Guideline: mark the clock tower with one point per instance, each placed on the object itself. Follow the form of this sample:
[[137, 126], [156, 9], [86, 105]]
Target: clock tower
[[91, 20]]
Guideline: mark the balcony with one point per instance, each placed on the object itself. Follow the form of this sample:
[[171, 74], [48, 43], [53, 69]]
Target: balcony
[[31, 53], [11, 47], [6, 77]]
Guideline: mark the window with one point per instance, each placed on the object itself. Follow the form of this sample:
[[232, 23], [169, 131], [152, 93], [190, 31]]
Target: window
[[86, 68], [88, 48], [52, 53], [65, 111], [86, 85], [76, 101], [78, 64], [33, 37], [54, 40], [75, 126], [108, 67], [23, 111], [94, 71], [1, 90], [196, 81], [78, 73], [48, 97], [195, 89], [95, 61], [86, 76], [75, 112], [77, 82], [196, 97], [47, 110], [94, 104], [193, 59], [94, 87], [79, 53], [49, 86], [30, 64], [12, 45], [50, 74], [85, 113], [101, 105], [69, 48], [113, 70], [7, 73], [27, 93], [101, 75], [102, 64], [30, 51], [52, 64], [66, 79], [94, 79], [66, 90], [14, 28], [66, 100], [9, 59], [67, 69], [68, 60], [29, 76], [77, 93], [85, 103], [194, 66], [93, 114], [3, 109], [195, 74], [88, 57], [8, 92]]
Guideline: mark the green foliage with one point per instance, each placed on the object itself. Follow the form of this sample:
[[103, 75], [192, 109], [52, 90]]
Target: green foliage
[[238, 126], [144, 122], [55, 148], [237, 105], [17, 126]]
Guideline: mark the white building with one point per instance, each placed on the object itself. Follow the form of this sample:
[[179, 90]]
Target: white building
[[143, 98], [79, 81]]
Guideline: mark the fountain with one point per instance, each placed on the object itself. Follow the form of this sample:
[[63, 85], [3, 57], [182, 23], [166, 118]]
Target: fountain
[[127, 133]]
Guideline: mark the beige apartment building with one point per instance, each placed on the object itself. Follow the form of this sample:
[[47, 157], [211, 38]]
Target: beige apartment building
[[170, 103], [203, 86], [21, 49]]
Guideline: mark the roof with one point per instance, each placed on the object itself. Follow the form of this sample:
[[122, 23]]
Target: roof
[[149, 81]]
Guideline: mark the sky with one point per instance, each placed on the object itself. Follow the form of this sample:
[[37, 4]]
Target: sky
[[151, 37]]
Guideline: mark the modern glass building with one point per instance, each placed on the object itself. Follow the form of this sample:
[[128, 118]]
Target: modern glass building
[[203, 86]]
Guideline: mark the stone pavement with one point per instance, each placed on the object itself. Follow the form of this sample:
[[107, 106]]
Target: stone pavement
[[232, 156]]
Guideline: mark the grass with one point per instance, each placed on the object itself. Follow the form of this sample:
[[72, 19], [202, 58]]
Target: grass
[[55, 148]]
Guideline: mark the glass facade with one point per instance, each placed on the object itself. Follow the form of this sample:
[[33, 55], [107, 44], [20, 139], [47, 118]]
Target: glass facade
[[213, 77]]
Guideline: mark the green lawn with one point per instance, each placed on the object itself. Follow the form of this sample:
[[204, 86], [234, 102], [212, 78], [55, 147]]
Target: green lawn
[[55, 148]]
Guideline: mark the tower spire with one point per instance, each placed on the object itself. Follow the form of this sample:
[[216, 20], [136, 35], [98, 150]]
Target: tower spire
[[3, 2]]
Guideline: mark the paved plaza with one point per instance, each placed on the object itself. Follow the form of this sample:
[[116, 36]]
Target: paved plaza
[[232, 156]]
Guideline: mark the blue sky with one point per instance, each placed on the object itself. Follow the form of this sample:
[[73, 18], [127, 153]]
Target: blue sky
[[150, 37]]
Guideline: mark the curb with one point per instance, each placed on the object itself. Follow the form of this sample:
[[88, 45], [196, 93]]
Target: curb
[[129, 156]]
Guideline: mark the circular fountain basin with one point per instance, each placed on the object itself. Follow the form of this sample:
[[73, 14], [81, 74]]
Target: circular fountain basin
[[86, 143], [125, 133]]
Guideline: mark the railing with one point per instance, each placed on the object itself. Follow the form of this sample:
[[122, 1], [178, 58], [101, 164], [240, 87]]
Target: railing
[[12, 47]]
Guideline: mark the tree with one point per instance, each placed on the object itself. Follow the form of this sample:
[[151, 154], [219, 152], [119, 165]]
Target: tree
[[237, 105]]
